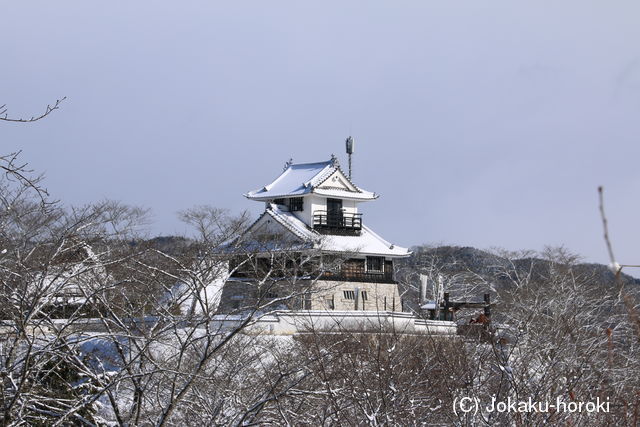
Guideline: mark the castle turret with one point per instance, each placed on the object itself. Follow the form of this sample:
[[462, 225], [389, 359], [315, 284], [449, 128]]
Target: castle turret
[[314, 208]]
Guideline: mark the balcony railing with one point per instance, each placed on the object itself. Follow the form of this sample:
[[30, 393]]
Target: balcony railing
[[337, 222], [343, 276]]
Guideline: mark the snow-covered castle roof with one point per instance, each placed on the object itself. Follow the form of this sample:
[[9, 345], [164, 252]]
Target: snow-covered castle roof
[[366, 243], [322, 178]]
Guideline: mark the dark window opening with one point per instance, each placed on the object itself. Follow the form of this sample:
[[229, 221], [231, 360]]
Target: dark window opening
[[307, 302], [280, 202], [351, 295], [295, 204], [375, 264], [263, 264], [388, 267], [334, 213]]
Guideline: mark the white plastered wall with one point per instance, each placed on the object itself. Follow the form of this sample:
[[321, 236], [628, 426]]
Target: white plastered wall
[[380, 296], [337, 180]]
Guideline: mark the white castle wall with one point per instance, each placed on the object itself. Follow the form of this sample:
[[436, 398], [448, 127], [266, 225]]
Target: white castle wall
[[321, 321]]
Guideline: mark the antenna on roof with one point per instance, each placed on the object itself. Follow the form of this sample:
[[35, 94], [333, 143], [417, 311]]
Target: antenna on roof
[[350, 146]]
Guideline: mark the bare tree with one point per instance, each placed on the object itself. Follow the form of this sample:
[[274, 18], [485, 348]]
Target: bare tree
[[94, 325]]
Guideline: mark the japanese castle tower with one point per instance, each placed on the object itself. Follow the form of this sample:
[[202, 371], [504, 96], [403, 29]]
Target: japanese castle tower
[[314, 236]]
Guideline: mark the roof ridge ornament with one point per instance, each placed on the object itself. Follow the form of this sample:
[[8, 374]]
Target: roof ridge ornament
[[334, 161], [287, 164]]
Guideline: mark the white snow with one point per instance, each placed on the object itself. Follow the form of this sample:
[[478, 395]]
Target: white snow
[[615, 267], [294, 181], [367, 243], [183, 295], [302, 178]]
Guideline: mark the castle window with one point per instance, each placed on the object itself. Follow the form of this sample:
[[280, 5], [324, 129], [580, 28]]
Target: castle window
[[279, 202], [375, 264], [351, 295], [295, 204], [306, 305]]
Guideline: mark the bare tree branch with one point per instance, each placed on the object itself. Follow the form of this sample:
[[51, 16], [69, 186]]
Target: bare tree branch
[[5, 117], [19, 173]]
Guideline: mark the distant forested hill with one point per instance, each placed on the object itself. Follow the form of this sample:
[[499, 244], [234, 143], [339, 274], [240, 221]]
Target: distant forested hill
[[469, 272]]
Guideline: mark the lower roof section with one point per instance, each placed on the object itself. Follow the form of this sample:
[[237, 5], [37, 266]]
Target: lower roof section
[[276, 221]]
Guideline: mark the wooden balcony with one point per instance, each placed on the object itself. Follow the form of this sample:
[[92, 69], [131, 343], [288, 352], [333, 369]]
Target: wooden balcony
[[347, 224]]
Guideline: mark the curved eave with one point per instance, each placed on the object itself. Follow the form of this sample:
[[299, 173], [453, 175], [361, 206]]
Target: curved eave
[[265, 198], [348, 195], [363, 253]]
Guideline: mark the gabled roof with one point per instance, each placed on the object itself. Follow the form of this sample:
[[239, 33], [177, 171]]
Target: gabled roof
[[292, 223], [367, 243], [304, 178], [291, 233]]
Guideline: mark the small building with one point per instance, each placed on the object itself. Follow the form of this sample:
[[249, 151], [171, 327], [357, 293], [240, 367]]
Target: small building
[[313, 242]]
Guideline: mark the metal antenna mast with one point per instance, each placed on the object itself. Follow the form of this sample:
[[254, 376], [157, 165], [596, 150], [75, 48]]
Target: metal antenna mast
[[350, 146]]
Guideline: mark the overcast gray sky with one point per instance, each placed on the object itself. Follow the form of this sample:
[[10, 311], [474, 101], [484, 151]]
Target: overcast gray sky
[[481, 123]]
